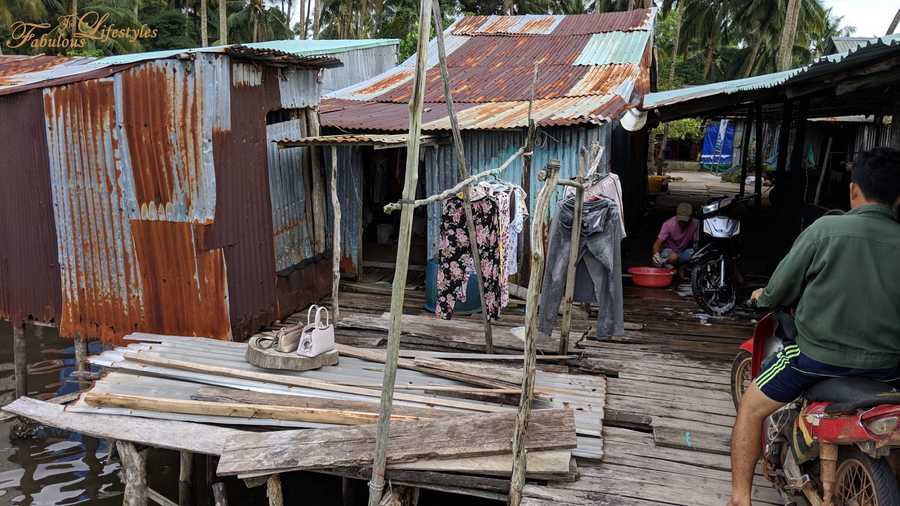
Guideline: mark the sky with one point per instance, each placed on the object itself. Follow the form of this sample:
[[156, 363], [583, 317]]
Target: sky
[[870, 17]]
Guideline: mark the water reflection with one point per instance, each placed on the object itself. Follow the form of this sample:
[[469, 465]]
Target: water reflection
[[54, 467]]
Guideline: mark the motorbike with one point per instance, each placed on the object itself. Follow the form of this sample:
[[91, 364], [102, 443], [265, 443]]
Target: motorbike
[[713, 266], [838, 444]]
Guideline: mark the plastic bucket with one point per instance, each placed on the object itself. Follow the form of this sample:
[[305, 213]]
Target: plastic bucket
[[470, 306]]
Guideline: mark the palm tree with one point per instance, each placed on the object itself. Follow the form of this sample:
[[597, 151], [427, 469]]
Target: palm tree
[[704, 24], [788, 34], [223, 22], [204, 29], [255, 22]]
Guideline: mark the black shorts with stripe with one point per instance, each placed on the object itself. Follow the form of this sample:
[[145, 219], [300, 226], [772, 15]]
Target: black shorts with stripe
[[787, 374]]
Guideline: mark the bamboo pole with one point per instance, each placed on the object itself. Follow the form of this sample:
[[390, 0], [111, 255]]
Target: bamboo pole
[[437, 197], [566, 325], [398, 292], [463, 174], [336, 238], [550, 176], [525, 267]]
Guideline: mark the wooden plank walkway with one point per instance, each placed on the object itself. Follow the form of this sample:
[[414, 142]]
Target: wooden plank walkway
[[668, 412]]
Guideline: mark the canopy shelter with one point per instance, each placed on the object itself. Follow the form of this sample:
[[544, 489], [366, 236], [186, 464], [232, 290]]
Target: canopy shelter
[[863, 81]]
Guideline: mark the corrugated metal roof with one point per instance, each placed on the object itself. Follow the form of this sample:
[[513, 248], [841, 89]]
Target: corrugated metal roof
[[847, 44], [602, 59], [539, 24], [878, 49], [23, 73]]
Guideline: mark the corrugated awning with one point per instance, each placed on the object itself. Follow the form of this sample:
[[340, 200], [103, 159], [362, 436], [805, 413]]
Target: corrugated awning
[[843, 73]]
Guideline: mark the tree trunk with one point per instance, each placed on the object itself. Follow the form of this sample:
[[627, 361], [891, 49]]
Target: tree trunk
[[750, 62], [786, 49], [303, 18], [317, 18], [894, 23], [204, 35], [508, 6], [710, 57], [223, 22]]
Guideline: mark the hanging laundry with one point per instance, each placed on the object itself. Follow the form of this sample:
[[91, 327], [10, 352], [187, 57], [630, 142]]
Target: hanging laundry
[[605, 186], [519, 211], [455, 256], [598, 265]]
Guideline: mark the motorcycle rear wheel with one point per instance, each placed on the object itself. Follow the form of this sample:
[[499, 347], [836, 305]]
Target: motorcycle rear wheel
[[741, 376], [864, 481], [705, 286]]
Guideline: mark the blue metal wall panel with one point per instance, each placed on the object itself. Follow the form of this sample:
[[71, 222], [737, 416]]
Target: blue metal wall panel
[[293, 232], [488, 149], [350, 183]]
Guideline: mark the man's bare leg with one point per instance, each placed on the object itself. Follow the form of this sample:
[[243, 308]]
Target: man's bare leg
[[745, 442]]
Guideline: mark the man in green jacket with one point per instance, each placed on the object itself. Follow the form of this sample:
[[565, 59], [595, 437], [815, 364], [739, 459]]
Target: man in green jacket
[[843, 276]]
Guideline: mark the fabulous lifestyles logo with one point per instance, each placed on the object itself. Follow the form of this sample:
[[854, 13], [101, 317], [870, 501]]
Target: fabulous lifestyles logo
[[73, 32]]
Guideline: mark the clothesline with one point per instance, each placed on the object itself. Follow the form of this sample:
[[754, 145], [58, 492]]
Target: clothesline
[[388, 209]]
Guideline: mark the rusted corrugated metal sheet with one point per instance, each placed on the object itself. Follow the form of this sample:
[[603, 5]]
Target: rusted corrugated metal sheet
[[29, 270], [517, 51], [185, 291], [160, 109], [590, 68], [377, 116], [44, 71], [292, 228], [102, 293], [243, 220], [600, 22]]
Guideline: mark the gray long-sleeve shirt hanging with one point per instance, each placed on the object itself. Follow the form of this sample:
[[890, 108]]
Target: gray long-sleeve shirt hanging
[[599, 265]]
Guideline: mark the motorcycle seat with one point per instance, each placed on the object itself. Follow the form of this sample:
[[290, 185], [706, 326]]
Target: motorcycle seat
[[851, 394]]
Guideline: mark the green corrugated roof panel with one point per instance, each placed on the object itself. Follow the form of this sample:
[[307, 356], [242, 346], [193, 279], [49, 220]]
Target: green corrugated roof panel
[[322, 46], [614, 48]]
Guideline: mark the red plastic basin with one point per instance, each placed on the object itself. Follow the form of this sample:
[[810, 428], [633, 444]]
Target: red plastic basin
[[652, 277]]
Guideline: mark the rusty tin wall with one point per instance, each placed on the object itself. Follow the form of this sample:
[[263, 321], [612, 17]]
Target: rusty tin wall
[[29, 270], [132, 188]]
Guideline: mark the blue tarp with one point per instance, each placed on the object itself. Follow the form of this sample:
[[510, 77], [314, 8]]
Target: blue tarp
[[718, 144]]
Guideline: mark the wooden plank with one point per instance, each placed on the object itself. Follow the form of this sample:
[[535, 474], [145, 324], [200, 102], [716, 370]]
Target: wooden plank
[[193, 407], [217, 394], [194, 437], [465, 436], [547, 462], [298, 381]]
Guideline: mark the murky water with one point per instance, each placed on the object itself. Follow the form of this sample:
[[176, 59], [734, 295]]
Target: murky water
[[53, 467]]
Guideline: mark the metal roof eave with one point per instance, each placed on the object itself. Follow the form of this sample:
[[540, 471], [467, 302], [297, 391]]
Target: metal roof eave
[[883, 56]]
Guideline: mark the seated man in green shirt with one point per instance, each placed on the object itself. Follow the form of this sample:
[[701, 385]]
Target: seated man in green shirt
[[843, 276]]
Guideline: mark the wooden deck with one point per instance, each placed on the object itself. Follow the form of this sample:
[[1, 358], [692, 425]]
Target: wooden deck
[[652, 409], [668, 410]]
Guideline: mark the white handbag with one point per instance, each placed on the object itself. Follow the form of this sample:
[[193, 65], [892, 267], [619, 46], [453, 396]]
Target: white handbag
[[318, 336]]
